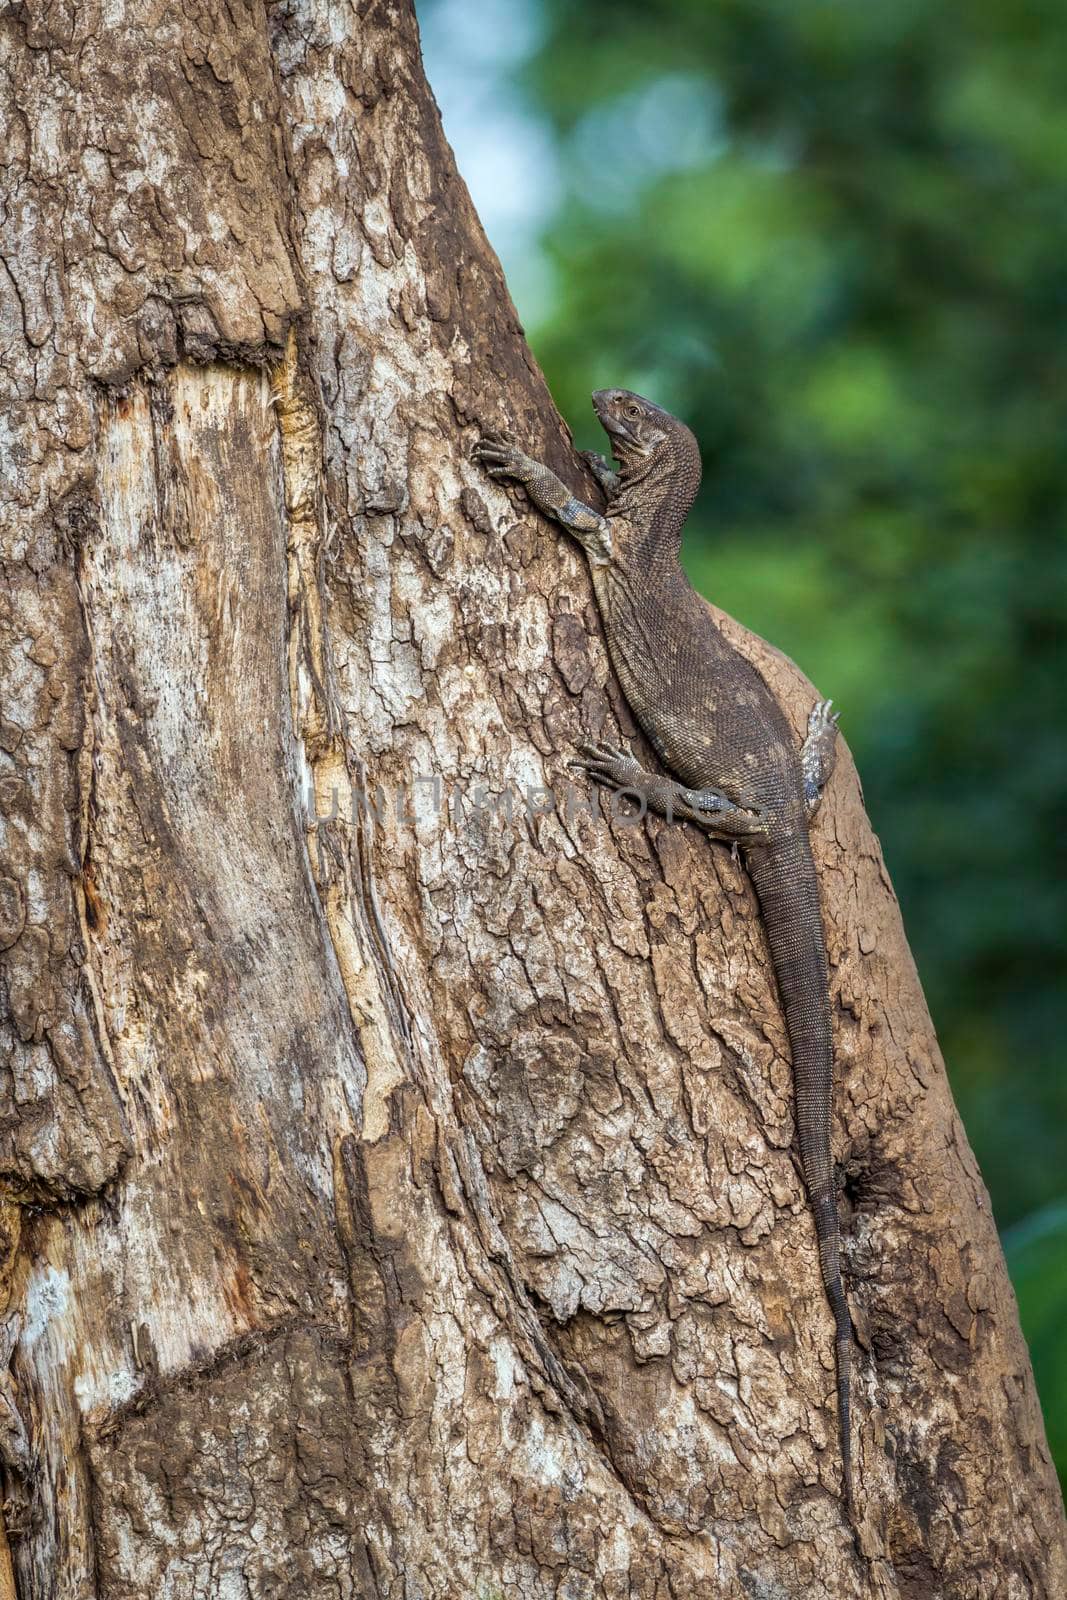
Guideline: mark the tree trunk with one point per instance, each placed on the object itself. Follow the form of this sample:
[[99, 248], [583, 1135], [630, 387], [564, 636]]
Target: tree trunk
[[399, 1174]]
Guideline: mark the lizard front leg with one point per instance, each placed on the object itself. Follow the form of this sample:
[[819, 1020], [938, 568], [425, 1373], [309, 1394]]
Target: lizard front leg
[[503, 460], [707, 808], [604, 473], [818, 753]]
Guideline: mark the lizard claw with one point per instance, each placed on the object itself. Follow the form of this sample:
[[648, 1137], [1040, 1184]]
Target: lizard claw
[[500, 458], [605, 763], [822, 717], [597, 750], [489, 449], [602, 471]]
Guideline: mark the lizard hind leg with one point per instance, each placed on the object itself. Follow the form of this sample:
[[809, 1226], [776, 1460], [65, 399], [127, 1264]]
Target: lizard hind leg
[[818, 753], [710, 810]]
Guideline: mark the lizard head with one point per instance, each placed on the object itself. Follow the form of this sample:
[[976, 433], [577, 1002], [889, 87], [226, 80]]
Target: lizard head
[[638, 429]]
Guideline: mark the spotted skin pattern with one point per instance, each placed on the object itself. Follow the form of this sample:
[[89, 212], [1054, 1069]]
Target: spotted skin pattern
[[733, 766]]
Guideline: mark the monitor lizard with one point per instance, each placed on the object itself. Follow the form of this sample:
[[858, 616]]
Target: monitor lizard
[[717, 729]]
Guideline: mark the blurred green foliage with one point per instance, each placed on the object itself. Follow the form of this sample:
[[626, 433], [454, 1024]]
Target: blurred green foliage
[[833, 237], [1036, 1249]]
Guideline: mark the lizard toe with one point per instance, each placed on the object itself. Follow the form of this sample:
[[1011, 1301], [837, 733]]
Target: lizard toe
[[822, 717]]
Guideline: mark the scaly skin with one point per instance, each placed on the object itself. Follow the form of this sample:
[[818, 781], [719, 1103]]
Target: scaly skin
[[720, 733]]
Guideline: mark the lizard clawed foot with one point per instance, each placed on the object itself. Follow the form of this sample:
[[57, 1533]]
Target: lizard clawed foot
[[501, 458], [818, 752], [603, 472], [821, 719], [608, 765]]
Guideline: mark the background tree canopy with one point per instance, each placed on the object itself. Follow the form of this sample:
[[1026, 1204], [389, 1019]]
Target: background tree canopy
[[833, 238]]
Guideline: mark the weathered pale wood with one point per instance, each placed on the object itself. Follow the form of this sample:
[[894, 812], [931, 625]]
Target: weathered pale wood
[[401, 1198]]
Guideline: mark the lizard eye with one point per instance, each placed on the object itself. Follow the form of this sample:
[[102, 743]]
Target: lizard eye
[[632, 411]]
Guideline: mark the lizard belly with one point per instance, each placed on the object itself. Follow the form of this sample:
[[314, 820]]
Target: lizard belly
[[714, 734], [683, 736]]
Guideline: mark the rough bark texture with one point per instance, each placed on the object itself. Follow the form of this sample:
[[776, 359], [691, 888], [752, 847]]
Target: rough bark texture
[[401, 1204]]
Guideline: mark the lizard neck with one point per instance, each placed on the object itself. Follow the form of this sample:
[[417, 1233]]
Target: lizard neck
[[656, 495]]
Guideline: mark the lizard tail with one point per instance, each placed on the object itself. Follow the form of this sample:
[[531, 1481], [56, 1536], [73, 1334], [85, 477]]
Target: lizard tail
[[785, 880], [828, 1232]]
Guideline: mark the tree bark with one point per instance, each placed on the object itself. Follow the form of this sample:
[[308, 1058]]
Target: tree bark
[[400, 1197]]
